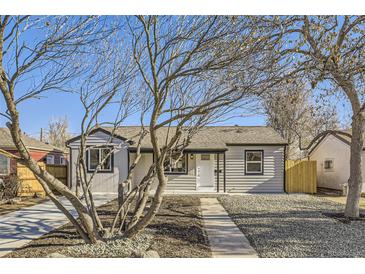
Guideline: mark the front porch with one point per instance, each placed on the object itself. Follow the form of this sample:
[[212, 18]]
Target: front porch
[[199, 172]]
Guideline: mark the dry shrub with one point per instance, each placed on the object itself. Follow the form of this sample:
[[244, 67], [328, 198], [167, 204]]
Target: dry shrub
[[9, 187]]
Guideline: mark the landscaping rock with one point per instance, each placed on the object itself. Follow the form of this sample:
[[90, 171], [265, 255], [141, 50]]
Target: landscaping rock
[[39, 195], [15, 201], [117, 247], [151, 254], [56, 255], [3, 202], [295, 226]]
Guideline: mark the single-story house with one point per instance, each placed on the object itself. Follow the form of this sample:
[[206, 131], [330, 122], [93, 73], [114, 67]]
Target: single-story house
[[332, 153], [236, 159], [39, 151]]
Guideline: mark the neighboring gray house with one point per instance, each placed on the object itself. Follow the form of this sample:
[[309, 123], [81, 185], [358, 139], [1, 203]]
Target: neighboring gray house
[[249, 159]]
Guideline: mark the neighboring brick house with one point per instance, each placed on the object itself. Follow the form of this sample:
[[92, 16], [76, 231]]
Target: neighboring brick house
[[39, 151]]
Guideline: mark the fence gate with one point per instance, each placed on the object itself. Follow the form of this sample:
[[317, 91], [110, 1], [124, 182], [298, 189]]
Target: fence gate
[[300, 176]]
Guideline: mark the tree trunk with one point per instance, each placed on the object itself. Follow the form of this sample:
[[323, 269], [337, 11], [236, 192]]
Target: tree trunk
[[355, 180], [49, 179], [155, 205]]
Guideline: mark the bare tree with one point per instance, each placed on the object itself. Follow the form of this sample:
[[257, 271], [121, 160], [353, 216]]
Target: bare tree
[[329, 50], [292, 112], [57, 132], [42, 51], [195, 70], [110, 82], [190, 71]]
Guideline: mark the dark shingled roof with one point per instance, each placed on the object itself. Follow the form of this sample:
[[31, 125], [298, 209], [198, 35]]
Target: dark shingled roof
[[6, 142], [212, 137]]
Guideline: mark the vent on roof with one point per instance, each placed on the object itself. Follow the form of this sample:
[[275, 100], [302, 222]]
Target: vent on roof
[[238, 130]]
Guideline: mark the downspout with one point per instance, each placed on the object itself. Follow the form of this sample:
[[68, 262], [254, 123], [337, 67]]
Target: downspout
[[224, 172], [285, 168], [69, 170], [217, 173]]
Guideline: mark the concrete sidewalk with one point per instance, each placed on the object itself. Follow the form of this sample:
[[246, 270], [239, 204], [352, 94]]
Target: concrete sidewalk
[[225, 238], [22, 226]]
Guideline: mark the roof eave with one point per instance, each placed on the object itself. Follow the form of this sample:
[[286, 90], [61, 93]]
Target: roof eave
[[69, 141], [256, 144]]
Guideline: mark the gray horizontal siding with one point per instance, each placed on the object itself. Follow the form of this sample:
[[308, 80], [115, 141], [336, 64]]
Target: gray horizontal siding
[[104, 182], [98, 138], [238, 182], [175, 181], [183, 181]]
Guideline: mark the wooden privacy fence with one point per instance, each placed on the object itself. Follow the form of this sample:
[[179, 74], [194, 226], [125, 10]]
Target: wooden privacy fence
[[300, 176], [30, 185], [59, 171]]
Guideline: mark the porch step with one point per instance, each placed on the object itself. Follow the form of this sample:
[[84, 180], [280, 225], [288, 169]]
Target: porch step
[[206, 189]]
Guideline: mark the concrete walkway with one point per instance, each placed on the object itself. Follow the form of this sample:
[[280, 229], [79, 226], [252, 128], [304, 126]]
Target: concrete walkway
[[20, 227], [225, 238]]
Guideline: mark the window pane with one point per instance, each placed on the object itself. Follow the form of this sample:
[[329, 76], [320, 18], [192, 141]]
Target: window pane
[[253, 167], [174, 166], [253, 156], [50, 160], [107, 163], [62, 160], [4, 164], [328, 164], [205, 157], [93, 158]]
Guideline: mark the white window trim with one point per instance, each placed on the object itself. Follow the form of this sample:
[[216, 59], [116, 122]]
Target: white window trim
[[261, 172], [101, 170], [8, 166]]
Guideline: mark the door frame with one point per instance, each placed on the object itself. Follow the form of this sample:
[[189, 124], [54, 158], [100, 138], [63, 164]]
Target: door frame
[[198, 169]]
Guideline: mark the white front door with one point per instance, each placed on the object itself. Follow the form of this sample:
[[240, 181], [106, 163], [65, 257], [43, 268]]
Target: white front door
[[205, 170]]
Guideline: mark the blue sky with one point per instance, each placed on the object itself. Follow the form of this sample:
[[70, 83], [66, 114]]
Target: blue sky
[[36, 113]]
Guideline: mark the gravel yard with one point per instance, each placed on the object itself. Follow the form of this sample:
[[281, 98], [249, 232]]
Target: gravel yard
[[176, 231], [295, 226]]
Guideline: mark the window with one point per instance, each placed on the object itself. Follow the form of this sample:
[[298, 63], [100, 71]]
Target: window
[[62, 160], [50, 160], [205, 157], [328, 165], [98, 155], [173, 166], [254, 161], [4, 165]]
